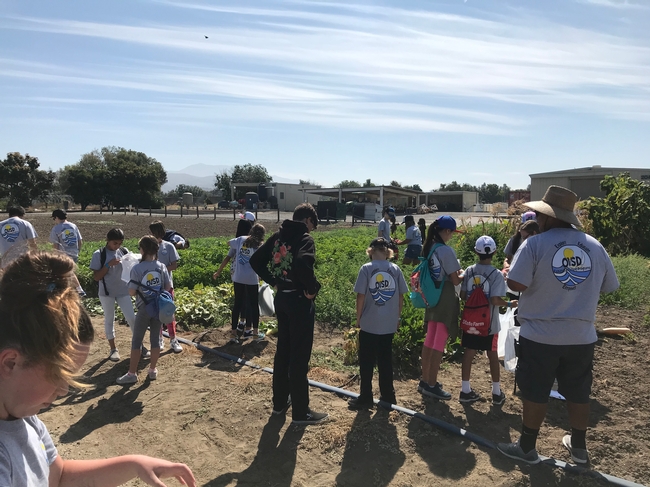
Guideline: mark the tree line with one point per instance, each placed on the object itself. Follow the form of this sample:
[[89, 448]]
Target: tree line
[[115, 176]]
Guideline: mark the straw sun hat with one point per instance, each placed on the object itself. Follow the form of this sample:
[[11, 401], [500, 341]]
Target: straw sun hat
[[558, 202]]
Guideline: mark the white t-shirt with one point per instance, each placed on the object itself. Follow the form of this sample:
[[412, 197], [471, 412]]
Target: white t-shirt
[[565, 271], [113, 282], [243, 273], [150, 273], [382, 282], [443, 262], [167, 254], [26, 453], [67, 237], [493, 284], [384, 229], [413, 234], [14, 232]]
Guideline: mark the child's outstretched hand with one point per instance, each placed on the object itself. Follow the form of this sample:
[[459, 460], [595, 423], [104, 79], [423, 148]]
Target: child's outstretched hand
[[216, 274], [151, 470]]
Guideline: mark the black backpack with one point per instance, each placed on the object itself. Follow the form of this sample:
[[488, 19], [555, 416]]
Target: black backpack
[[102, 262]]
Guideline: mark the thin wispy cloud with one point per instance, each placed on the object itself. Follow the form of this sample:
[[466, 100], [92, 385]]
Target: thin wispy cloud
[[617, 4], [465, 69]]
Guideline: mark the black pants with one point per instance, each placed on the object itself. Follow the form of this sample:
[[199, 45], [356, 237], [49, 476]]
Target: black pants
[[376, 349], [295, 315], [246, 300]]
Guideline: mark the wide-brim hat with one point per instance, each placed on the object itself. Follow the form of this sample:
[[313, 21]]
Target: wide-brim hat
[[558, 202]]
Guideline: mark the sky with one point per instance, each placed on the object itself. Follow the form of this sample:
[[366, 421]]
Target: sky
[[423, 92]]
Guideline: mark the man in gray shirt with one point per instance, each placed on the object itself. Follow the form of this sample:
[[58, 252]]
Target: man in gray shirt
[[561, 274]]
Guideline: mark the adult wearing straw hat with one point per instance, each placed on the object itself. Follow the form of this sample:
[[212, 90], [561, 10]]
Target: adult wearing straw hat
[[561, 273]]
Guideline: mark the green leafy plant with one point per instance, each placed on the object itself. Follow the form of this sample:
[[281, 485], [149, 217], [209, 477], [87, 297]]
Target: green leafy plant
[[203, 306], [620, 219]]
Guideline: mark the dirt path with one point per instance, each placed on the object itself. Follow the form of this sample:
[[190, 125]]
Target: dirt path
[[215, 416]]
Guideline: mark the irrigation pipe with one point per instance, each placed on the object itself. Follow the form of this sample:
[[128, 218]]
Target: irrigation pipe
[[428, 419]]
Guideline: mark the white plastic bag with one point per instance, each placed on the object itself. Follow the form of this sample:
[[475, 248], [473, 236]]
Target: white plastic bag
[[510, 359], [266, 300], [506, 321], [128, 261]]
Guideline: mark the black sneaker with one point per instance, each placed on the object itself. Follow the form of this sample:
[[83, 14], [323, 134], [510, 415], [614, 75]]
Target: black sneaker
[[434, 391], [144, 352], [389, 400], [360, 403], [469, 397], [498, 399], [311, 417], [278, 412]]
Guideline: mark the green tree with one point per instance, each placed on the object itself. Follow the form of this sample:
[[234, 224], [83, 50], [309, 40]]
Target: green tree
[[85, 181], [184, 188], [415, 187], [248, 173], [454, 186], [347, 183], [620, 219], [309, 182], [395, 184], [491, 193], [21, 180], [117, 176], [368, 183]]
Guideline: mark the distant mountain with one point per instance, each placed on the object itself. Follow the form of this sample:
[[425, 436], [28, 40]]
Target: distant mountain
[[202, 175]]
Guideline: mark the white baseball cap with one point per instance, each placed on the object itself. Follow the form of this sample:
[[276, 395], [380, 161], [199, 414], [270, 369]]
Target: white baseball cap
[[485, 245], [248, 216]]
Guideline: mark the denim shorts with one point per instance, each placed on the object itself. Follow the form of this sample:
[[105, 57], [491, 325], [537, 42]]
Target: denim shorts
[[413, 251]]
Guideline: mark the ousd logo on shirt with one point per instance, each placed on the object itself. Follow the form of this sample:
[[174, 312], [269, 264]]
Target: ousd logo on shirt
[[435, 267], [478, 281], [151, 279], [382, 287], [245, 255], [10, 232], [571, 264], [69, 238]]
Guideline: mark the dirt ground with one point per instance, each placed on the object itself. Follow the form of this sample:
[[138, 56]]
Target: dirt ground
[[215, 416]]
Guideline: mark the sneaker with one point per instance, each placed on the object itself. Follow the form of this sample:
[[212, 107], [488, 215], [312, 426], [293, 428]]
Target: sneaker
[[389, 400], [175, 346], [144, 352], [435, 391], [469, 397], [360, 403], [162, 343], [255, 336], [127, 378], [234, 341], [153, 374], [277, 412], [311, 417], [240, 329], [578, 455], [514, 451], [498, 399], [114, 356]]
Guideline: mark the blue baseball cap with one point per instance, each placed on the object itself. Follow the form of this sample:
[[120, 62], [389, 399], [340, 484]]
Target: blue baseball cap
[[446, 222]]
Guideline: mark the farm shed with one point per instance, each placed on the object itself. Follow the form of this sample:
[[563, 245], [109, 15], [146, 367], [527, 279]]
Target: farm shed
[[585, 181]]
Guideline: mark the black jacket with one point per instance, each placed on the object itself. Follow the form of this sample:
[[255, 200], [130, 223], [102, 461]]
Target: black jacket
[[286, 259]]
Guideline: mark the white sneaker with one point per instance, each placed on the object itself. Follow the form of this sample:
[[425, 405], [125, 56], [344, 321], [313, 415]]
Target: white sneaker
[[127, 378], [114, 355], [162, 343], [153, 374], [175, 346]]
